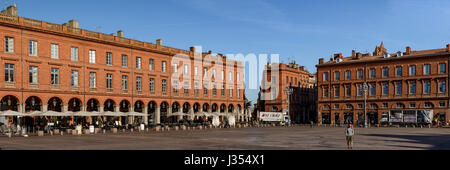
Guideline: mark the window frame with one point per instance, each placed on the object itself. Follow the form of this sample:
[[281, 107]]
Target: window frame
[[109, 58], [54, 51], [92, 80], [33, 48], [109, 80], [33, 75], [74, 81], [9, 73], [54, 76], [92, 56], [9, 44], [74, 53]]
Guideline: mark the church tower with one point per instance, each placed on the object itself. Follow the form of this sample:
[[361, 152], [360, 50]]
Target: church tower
[[379, 51]]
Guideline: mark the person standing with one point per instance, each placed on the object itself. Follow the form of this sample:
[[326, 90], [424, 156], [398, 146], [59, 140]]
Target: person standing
[[349, 133]]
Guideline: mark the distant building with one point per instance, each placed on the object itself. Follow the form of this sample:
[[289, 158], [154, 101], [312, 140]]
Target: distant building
[[397, 84], [273, 97]]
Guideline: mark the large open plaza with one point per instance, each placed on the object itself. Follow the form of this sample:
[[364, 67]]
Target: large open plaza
[[267, 138]]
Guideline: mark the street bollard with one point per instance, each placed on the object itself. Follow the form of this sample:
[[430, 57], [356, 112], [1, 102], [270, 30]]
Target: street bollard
[[114, 130]]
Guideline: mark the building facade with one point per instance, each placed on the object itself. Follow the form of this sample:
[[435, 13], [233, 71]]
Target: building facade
[[62, 68], [404, 82], [299, 103]]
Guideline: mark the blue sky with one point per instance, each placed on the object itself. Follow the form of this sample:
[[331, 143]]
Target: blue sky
[[302, 30]]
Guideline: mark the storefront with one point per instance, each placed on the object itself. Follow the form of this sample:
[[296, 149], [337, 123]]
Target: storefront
[[326, 118], [373, 118], [337, 119], [348, 118]]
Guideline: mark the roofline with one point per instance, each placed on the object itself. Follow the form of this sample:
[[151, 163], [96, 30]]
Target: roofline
[[384, 59]]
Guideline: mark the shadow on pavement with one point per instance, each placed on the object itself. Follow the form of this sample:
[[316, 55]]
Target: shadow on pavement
[[437, 142]]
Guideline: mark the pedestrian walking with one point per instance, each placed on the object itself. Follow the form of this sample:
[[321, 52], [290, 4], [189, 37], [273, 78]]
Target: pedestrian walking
[[349, 133]]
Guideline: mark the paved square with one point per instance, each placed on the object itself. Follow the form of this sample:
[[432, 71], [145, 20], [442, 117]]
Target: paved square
[[273, 138]]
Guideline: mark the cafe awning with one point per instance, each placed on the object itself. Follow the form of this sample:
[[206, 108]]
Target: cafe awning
[[55, 114], [34, 113], [114, 114], [219, 114], [13, 113], [135, 114], [82, 113], [204, 114], [178, 114]]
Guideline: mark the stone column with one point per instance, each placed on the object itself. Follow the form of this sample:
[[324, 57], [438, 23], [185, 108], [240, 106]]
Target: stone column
[[131, 118], [21, 108], [101, 109], [157, 115], [116, 108], [209, 111], [257, 115], [319, 118], [145, 111], [65, 108], [44, 107], [332, 119], [191, 113]]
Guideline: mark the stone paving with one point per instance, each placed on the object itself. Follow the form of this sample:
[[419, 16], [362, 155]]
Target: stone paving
[[267, 138]]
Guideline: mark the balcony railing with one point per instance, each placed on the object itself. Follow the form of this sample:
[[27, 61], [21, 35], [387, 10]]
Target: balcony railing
[[8, 18], [54, 27], [32, 22], [92, 34], [74, 30]]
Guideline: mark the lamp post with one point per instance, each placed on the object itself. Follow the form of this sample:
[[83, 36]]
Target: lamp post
[[365, 104], [289, 92]]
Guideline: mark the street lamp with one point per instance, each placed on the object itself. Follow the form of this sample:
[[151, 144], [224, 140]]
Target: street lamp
[[289, 92], [365, 104]]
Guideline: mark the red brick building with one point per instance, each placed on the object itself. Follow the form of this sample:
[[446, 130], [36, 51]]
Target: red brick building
[[64, 68], [279, 77], [404, 82]]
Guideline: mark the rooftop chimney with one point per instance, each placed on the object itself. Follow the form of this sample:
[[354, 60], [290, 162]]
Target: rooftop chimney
[[120, 33], [159, 42], [408, 50], [73, 24], [192, 49], [448, 47], [358, 55], [209, 52], [321, 60], [353, 53], [12, 10]]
